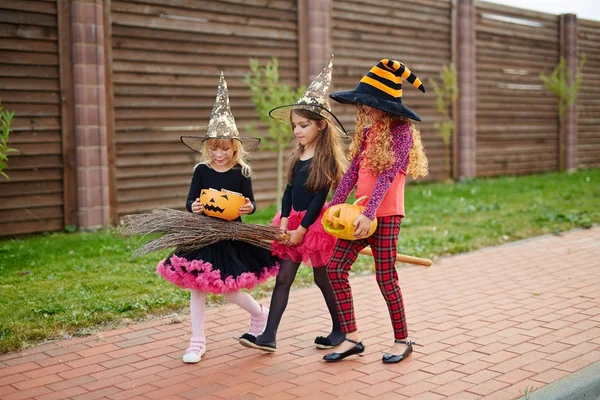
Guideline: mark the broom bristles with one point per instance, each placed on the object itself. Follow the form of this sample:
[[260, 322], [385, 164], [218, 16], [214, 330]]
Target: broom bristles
[[187, 231]]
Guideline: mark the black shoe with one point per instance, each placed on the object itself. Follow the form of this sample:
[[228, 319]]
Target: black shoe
[[358, 348], [251, 341], [326, 343], [395, 359]]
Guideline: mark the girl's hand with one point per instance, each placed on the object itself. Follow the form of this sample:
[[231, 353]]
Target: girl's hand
[[246, 208], [197, 207], [362, 226], [296, 236], [283, 224]]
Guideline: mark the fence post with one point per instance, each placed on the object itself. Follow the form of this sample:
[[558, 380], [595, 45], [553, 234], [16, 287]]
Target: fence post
[[90, 113], [465, 51], [319, 46], [69, 155], [568, 137]]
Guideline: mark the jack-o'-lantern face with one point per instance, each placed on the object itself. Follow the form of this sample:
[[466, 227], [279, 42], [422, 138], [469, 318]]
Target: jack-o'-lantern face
[[339, 220], [221, 203]]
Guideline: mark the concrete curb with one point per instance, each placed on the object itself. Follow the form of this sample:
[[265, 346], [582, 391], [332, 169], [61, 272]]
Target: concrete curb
[[581, 385]]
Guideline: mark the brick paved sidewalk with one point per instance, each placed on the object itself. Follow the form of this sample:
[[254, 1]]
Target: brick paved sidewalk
[[493, 323]]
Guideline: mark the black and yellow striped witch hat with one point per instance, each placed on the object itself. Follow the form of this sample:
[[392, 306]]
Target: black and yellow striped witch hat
[[381, 88]]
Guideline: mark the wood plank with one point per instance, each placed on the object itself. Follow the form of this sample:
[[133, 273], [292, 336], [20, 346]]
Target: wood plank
[[35, 163], [17, 189], [26, 18], [123, 32], [30, 215], [34, 149], [29, 5], [29, 84], [29, 97], [29, 45], [36, 124], [286, 12], [18, 228], [204, 16], [156, 22], [27, 32], [32, 201], [49, 174], [17, 57], [31, 71], [179, 47]]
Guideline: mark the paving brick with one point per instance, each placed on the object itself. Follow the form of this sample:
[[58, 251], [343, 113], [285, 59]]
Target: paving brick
[[473, 349]]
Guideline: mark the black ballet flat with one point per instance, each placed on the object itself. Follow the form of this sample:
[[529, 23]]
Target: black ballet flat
[[249, 340], [395, 359], [326, 343], [358, 348]]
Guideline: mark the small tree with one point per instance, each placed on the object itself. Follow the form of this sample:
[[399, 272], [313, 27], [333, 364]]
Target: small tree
[[565, 84], [6, 118], [446, 93], [267, 92]]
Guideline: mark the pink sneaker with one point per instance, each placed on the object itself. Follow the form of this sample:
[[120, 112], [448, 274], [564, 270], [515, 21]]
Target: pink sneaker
[[196, 350], [258, 322]]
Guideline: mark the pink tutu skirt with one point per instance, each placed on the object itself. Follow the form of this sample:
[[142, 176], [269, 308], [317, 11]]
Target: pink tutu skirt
[[317, 247]]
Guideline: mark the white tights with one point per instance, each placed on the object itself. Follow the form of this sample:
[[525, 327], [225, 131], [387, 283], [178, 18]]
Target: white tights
[[198, 307]]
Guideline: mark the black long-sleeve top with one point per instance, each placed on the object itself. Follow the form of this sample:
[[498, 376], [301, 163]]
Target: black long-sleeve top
[[296, 195], [205, 178]]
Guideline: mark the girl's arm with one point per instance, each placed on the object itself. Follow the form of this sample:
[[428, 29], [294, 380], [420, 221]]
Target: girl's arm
[[314, 208], [248, 192], [402, 143], [195, 187], [286, 202], [347, 184]]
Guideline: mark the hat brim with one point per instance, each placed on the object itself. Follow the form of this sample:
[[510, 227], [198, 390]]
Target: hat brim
[[196, 143], [353, 97], [282, 114]]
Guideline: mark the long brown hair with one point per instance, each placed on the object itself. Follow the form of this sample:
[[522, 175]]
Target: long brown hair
[[379, 155], [328, 163]]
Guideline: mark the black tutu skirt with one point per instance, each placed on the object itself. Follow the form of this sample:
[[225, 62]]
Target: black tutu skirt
[[226, 266]]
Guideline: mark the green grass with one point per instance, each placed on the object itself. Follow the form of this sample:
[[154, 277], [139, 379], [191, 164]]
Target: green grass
[[60, 284]]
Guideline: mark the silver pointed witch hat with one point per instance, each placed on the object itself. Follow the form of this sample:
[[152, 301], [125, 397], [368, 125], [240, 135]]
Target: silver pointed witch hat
[[315, 99], [221, 124]]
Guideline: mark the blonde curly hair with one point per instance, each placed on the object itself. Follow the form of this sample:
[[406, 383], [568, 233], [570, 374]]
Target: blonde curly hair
[[380, 153]]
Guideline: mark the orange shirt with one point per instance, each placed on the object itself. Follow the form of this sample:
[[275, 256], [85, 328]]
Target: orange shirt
[[393, 201]]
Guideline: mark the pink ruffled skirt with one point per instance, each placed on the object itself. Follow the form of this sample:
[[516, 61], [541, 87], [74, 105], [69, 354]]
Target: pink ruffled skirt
[[317, 247], [226, 266]]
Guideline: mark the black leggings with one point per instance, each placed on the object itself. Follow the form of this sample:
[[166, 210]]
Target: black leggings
[[281, 294]]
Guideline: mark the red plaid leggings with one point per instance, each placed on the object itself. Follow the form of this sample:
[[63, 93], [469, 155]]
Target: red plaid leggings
[[383, 243]]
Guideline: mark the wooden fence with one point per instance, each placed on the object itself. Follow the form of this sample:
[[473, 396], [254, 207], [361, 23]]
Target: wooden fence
[[167, 56], [163, 61], [366, 31], [34, 71], [517, 120], [588, 104]]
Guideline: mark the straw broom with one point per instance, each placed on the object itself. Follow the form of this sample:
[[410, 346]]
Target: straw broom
[[188, 231]]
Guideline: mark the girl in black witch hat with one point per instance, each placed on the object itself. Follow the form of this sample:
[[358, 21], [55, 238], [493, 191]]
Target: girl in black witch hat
[[386, 147]]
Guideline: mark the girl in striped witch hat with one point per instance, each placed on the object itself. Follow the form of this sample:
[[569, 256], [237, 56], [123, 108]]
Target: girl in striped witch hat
[[386, 147]]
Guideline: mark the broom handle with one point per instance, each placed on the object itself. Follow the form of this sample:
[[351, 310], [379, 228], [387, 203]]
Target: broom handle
[[401, 258]]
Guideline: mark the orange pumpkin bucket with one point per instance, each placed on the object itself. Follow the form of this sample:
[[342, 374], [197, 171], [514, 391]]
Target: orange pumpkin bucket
[[339, 220], [222, 204]]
